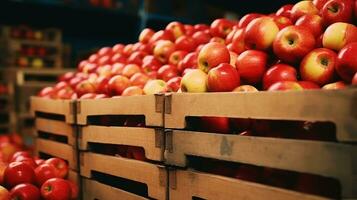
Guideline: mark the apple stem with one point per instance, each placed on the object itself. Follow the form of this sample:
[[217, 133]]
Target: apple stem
[[324, 61], [291, 41], [333, 9]]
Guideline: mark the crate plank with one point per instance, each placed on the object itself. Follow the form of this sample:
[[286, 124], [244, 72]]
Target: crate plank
[[59, 107], [152, 140], [93, 190], [329, 159], [57, 128], [59, 150], [338, 106], [188, 184], [151, 106], [154, 176]]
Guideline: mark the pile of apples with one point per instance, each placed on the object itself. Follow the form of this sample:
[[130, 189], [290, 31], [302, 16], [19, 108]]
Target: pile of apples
[[309, 45], [23, 177]]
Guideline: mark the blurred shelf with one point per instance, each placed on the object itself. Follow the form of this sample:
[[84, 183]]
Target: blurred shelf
[[25, 116]]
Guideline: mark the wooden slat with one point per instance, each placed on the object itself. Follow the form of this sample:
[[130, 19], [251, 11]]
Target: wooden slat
[[59, 150], [57, 128], [148, 138], [322, 158], [59, 107], [152, 175], [93, 190], [188, 184], [147, 105], [338, 106]]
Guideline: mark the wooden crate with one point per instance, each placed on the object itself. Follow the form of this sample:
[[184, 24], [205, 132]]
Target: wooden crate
[[56, 127], [185, 184], [93, 190], [151, 139], [336, 160], [337, 106], [63, 108], [154, 176], [57, 149], [151, 106]]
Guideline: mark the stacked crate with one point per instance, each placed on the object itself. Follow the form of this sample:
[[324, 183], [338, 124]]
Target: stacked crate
[[324, 158], [25, 47], [121, 142], [56, 134], [7, 107]]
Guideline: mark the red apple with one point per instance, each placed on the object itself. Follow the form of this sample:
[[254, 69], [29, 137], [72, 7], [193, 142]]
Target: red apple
[[337, 11], [162, 35], [338, 35], [150, 63], [238, 45], [246, 19], [93, 58], [4, 193], [189, 30], [105, 70], [74, 190], [346, 65], [221, 27], [118, 58], [18, 172], [28, 160], [251, 65], [152, 74], [25, 191], [189, 61], [138, 153], [319, 4], [174, 83], [176, 28], [215, 124], [201, 37], [2, 171], [46, 92], [20, 153], [117, 84], [145, 35], [293, 43], [200, 27], [302, 8], [354, 79], [60, 165], [166, 72], [211, 55], [233, 58], [88, 96], [176, 57], [128, 49], [130, 69], [56, 189], [195, 81], [132, 91], [139, 79], [104, 51], [217, 39], [311, 22], [67, 76], [245, 88], [335, 85], [155, 87], [223, 78], [260, 33], [118, 48], [308, 85], [282, 22], [229, 37], [85, 87], [117, 69], [285, 85], [285, 11], [319, 66], [44, 172], [185, 43], [279, 72], [99, 96], [163, 50], [136, 57]]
